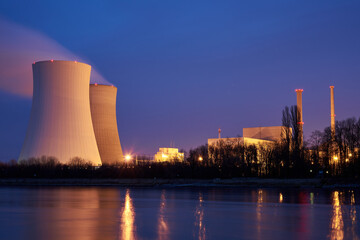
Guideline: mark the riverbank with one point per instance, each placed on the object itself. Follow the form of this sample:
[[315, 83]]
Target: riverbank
[[143, 182]]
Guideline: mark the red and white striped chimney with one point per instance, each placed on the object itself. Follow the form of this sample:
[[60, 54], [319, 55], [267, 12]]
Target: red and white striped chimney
[[300, 114], [332, 110]]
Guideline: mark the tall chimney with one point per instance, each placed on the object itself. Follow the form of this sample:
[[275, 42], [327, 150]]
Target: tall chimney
[[300, 114], [332, 109], [219, 132]]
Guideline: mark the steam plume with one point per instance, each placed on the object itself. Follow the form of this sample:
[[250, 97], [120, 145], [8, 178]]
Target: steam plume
[[19, 48]]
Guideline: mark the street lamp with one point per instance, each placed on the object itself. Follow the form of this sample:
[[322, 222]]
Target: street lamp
[[128, 157], [200, 158]]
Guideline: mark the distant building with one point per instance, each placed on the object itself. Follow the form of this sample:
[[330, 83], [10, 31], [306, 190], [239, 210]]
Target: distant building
[[169, 155], [254, 136], [264, 136]]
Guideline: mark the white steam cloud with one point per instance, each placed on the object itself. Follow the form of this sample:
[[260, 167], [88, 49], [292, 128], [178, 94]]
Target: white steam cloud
[[19, 48]]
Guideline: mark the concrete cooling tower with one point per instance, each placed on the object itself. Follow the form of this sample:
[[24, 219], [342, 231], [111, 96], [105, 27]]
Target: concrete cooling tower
[[60, 122], [103, 113]]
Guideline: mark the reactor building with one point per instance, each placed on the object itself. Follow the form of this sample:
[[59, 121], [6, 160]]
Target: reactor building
[[60, 123], [103, 113]]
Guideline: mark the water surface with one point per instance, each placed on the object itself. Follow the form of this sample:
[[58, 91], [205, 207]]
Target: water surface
[[178, 213]]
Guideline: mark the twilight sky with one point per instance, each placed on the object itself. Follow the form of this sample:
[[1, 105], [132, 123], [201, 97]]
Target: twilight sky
[[185, 68]]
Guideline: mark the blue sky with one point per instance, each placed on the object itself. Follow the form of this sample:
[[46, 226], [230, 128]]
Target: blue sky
[[185, 68]]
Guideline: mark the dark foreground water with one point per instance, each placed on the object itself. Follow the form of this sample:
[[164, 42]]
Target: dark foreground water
[[178, 213]]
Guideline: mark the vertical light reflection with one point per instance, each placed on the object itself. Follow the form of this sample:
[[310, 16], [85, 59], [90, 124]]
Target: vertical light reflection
[[281, 198], [199, 219], [127, 219], [75, 215], [163, 229], [337, 224], [259, 209], [353, 213], [312, 198]]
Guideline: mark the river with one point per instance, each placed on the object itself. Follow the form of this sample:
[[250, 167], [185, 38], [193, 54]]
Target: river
[[178, 213]]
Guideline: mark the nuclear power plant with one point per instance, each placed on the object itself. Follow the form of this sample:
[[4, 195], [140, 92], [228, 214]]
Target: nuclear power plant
[[61, 122], [72, 118], [103, 114]]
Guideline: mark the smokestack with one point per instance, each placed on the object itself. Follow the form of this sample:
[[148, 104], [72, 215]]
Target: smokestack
[[300, 114], [219, 132], [332, 110]]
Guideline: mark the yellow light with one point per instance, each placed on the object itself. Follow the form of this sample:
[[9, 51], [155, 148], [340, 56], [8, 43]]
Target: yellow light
[[347, 160], [164, 155], [128, 157], [200, 158], [350, 154], [336, 158]]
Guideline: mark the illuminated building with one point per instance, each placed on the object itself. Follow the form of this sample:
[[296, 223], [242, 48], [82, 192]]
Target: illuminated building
[[103, 114], [169, 155], [60, 123], [258, 136], [253, 136]]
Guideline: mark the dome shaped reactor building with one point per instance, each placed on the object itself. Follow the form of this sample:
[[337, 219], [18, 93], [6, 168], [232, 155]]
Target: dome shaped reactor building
[[60, 122], [103, 113]]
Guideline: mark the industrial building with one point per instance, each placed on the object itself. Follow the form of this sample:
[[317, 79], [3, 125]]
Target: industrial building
[[253, 136], [60, 123], [103, 114], [169, 155]]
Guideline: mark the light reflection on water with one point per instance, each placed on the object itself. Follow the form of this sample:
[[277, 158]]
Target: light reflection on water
[[127, 219], [199, 220], [177, 213], [337, 224], [260, 200], [163, 229]]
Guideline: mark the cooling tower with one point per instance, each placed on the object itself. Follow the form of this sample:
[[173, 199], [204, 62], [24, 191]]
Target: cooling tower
[[60, 121], [103, 112]]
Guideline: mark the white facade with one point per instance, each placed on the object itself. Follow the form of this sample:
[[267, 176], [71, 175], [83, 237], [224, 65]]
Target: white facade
[[60, 122], [169, 155]]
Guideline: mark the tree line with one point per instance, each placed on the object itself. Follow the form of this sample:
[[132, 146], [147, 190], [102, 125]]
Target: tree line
[[320, 156]]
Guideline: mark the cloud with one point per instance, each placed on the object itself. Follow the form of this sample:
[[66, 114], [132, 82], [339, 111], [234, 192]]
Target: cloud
[[19, 48]]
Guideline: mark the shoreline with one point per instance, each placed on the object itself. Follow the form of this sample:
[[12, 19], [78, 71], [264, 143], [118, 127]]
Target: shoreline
[[146, 182]]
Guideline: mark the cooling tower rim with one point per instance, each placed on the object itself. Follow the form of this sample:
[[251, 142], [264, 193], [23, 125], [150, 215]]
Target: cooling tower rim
[[101, 85], [63, 61]]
